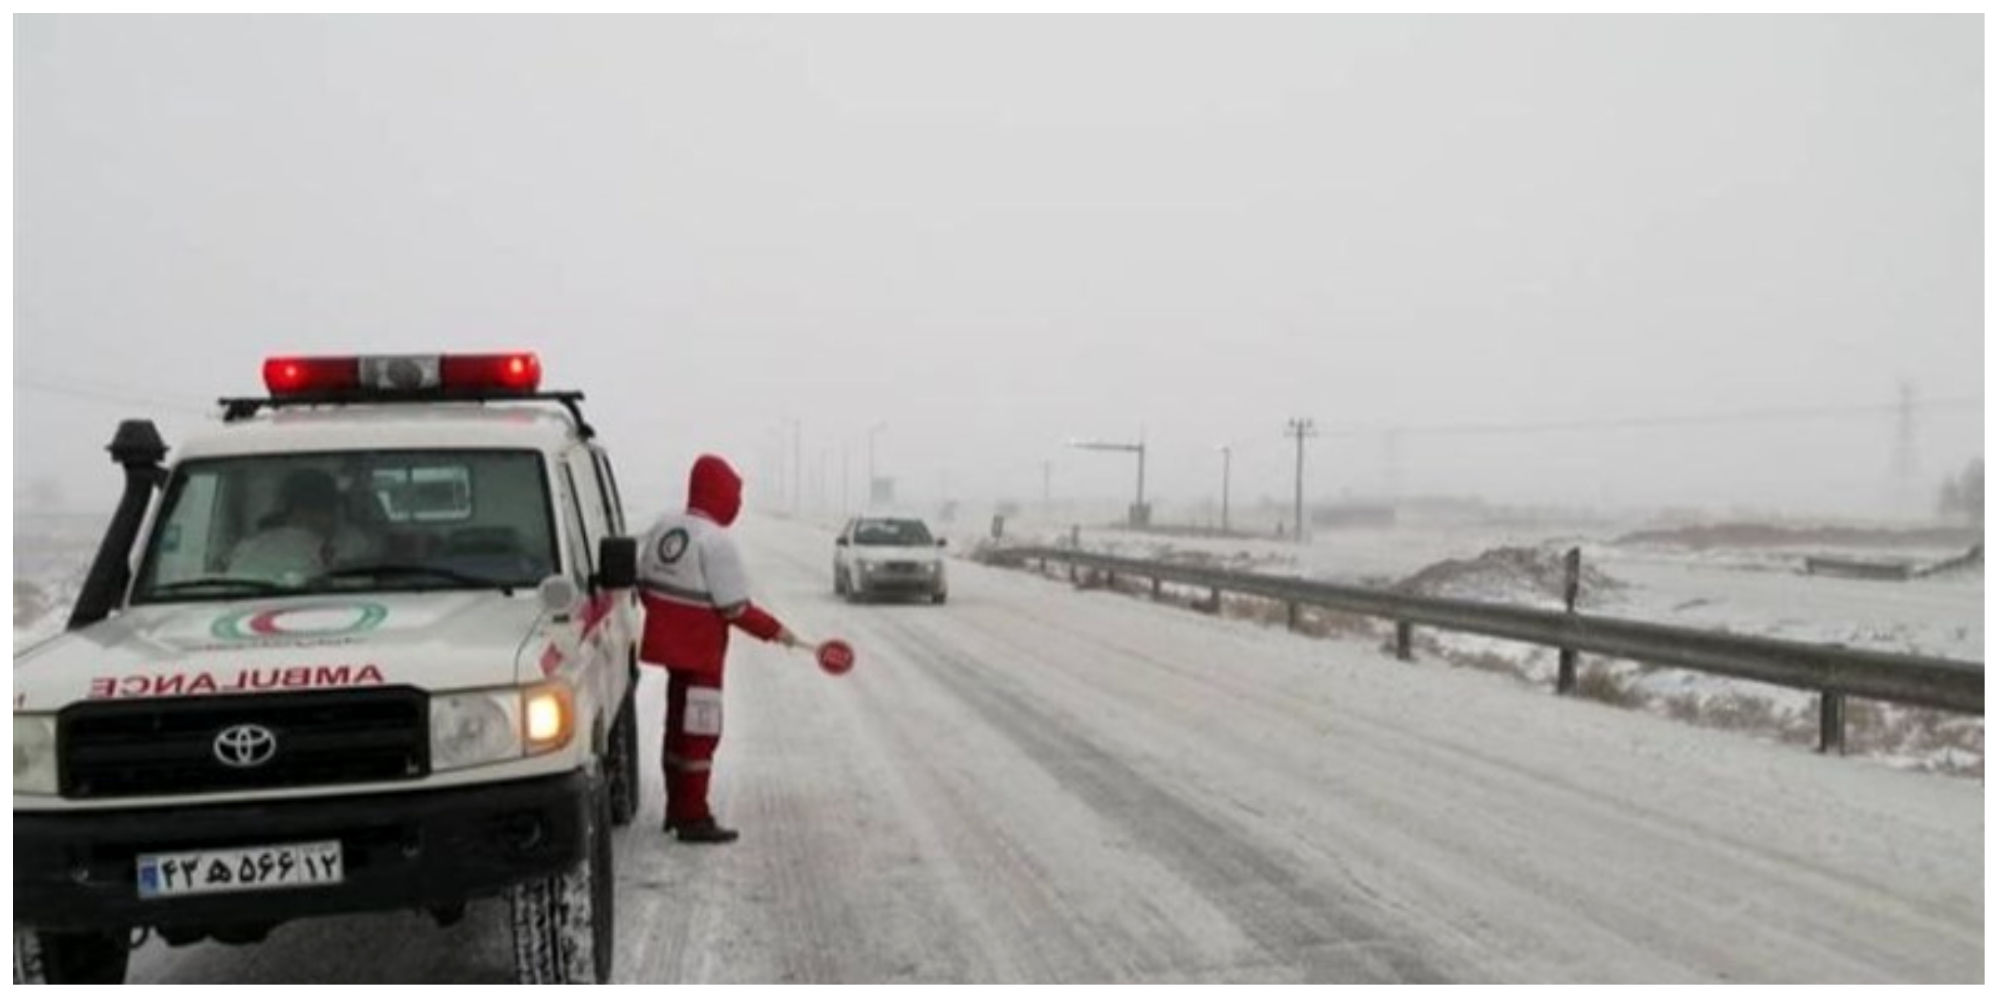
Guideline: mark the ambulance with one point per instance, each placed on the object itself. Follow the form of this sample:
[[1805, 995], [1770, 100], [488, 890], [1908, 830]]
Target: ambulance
[[367, 645]]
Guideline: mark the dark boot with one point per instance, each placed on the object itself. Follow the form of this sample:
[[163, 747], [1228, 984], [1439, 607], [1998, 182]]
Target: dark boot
[[704, 831]]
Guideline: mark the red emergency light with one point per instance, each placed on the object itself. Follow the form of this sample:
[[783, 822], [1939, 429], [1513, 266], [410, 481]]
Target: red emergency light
[[362, 377], [298, 376], [514, 372]]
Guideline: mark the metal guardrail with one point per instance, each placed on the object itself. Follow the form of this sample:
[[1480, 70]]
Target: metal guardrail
[[1834, 672]]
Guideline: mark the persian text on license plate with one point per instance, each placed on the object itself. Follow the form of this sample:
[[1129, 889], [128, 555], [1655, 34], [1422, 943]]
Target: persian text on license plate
[[244, 869]]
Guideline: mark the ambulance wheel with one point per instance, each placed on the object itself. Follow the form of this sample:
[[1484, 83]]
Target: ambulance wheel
[[623, 762], [95, 957], [938, 597], [563, 925]]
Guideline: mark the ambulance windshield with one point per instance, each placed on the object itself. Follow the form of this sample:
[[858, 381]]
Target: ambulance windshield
[[340, 522]]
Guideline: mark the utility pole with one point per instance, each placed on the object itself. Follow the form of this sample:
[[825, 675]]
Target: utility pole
[[1225, 488], [1392, 462], [1906, 447], [1299, 428], [798, 463], [872, 431]]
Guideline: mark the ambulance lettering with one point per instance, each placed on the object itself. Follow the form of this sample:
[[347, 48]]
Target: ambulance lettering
[[259, 679]]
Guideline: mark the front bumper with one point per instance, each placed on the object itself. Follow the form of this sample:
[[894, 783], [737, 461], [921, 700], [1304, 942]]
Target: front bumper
[[78, 870], [899, 581]]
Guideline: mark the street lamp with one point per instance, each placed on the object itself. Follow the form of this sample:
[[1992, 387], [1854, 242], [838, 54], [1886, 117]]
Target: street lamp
[[1139, 516]]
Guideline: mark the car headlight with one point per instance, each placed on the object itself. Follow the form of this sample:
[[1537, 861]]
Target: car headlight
[[35, 754], [549, 714], [475, 727], [864, 565]]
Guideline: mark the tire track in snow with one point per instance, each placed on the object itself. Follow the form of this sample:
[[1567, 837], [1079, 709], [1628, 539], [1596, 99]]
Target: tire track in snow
[[1289, 912]]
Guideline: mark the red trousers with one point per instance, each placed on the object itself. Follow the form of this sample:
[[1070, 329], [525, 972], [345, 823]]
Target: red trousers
[[694, 730]]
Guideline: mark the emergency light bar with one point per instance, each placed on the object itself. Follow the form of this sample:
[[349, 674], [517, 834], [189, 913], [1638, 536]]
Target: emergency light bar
[[359, 378]]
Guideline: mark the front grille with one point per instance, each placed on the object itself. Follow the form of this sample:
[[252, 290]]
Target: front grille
[[903, 567], [166, 746]]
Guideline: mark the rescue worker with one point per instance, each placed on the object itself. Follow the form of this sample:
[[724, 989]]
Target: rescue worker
[[304, 536], [694, 588]]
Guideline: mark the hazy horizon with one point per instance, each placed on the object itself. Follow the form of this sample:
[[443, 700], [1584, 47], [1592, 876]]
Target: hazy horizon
[[1598, 261]]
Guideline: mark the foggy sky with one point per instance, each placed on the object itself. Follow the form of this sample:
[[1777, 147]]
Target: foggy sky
[[994, 235]]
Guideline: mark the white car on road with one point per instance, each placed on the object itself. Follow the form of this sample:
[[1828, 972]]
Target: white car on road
[[885, 555]]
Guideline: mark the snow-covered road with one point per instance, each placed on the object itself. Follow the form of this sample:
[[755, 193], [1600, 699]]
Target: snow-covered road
[[1036, 784]]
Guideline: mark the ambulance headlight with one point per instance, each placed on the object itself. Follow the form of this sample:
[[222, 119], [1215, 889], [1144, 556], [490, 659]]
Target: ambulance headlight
[[549, 715], [34, 754], [474, 727]]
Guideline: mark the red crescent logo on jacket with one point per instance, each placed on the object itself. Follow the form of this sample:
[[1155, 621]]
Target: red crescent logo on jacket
[[673, 545]]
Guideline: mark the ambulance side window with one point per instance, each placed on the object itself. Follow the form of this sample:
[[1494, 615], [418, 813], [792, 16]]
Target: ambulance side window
[[583, 562], [614, 505], [596, 514]]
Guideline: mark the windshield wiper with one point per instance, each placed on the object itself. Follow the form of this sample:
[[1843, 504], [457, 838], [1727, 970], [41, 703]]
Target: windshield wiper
[[252, 583], [416, 569]]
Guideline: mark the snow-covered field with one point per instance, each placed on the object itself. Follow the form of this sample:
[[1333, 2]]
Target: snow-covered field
[[52, 552], [1038, 784], [1753, 590]]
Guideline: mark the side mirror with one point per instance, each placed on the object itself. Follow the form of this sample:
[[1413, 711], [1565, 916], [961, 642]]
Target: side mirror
[[558, 594], [940, 543], [840, 542], [617, 563]]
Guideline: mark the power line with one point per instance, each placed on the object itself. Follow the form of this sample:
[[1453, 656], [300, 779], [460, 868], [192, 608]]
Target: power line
[[1737, 416], [101, 395]]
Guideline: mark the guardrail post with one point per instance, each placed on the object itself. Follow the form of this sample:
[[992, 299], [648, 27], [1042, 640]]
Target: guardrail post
[[1215, 599], [1075, 545], [1403, 631], [1833, 723], [1565, 656], [1156, 588], [1292, 615]]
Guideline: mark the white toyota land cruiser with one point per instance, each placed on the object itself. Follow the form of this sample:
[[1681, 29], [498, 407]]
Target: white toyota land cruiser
[[368, 646]]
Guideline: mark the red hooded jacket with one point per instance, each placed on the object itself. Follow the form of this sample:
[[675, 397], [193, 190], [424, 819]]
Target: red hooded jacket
[[692, 581]]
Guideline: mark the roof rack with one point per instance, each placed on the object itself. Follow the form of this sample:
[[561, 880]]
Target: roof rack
[[244, 407]]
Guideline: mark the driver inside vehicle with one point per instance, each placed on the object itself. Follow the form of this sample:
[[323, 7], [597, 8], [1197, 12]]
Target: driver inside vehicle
[[305, 536]]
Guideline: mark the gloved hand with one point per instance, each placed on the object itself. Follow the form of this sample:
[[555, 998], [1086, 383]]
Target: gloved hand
[[789, 640]]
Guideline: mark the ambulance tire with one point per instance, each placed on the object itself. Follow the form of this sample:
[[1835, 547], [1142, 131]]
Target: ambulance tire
[[563, 926], [623, 759], [94, 957]]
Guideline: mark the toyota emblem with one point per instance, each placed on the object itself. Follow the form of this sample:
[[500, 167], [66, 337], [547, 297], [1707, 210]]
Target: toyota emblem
[[247, 745]]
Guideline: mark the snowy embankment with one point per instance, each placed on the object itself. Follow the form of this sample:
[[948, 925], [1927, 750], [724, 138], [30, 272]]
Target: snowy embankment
[[1710, 580], [52, 553]]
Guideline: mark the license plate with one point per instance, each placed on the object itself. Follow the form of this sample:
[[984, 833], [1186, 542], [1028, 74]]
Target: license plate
[[244, 869]]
